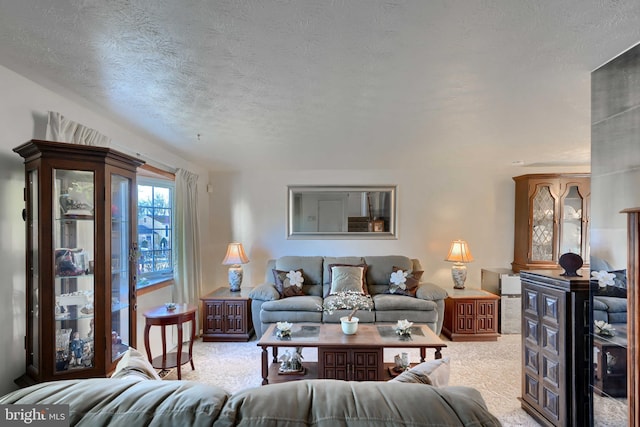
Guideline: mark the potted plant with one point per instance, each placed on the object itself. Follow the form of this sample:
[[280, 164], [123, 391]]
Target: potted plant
[[347, 300]]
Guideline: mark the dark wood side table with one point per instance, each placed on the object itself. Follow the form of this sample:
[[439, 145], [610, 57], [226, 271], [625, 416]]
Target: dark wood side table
[[227, 315], [471, 315], [160, 316]]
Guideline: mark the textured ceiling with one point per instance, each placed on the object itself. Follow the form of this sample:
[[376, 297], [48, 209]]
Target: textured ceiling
[[345, 83]]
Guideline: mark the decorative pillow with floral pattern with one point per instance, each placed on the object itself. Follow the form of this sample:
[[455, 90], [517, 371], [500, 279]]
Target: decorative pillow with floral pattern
[[404, 282], [289, 283]]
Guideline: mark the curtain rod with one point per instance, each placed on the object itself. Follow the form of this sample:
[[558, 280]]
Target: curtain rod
[[147, 159]]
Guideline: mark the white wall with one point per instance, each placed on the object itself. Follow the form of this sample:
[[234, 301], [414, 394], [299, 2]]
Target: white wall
[[434, 206], [23, 109]]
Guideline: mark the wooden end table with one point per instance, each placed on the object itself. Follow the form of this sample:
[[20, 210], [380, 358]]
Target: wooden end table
[[160, 316], [471, 315], [227, 315]]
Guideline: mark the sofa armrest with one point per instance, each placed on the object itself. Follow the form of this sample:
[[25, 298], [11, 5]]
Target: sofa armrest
[[430, 291], [264, 292]]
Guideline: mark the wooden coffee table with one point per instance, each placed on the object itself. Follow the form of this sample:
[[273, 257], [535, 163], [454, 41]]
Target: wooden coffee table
[[357, 357]]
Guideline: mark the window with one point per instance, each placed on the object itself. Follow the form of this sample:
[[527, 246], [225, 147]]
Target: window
[[155, 229]]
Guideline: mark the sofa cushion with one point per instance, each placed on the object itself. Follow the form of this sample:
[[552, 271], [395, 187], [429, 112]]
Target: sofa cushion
[[599, 305], [284, 286], [612, 304], [431, 292], [115, 402], [329, 403], [347, 278], [614, 318], [312, 268], [264, 292], [380, 269], [364, 316], [301, 303], [389, 302], [292, 316]]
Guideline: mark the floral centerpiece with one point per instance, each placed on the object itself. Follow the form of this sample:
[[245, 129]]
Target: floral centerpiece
[[603, 328], [283, 330], [347, 300], [403, 328], [604, 278]]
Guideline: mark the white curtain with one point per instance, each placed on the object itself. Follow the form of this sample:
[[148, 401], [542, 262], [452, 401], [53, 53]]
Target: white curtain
[[60, 129], [186, 244]]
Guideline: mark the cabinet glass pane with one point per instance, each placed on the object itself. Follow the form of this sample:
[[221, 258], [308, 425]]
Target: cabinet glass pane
[[120, 265], [542, 227], [74, 253], [34, 226], [572, 222]]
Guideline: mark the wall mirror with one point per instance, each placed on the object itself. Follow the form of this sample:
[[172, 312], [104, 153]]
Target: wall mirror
[[341, 212]]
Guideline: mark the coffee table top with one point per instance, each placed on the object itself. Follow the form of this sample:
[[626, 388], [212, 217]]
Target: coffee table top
[[619, 339], [368, 335]]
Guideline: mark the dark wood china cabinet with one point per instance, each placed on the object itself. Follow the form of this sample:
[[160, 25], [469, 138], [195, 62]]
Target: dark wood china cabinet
[[81, 266]]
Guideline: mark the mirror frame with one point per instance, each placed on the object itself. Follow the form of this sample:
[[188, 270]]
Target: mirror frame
[[292, 190]]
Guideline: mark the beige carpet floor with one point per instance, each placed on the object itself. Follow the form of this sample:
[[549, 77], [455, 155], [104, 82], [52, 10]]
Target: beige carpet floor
[[491, 367]]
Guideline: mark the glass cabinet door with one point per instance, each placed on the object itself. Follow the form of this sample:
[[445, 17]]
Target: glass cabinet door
[[542, 227], [121, 256], [33, 227], [572, 224], [73, 260]]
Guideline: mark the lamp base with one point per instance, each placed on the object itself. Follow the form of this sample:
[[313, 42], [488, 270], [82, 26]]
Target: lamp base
[[459, 274], [235, 277]]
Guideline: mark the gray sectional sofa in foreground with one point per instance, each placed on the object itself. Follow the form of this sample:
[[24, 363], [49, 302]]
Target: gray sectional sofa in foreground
[[135, 396], [269, 306]]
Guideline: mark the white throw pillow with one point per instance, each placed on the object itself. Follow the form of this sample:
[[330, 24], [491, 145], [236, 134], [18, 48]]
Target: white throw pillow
[[346, 278]]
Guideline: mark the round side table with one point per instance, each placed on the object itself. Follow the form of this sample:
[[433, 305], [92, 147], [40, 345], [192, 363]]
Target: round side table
[[160, 316]]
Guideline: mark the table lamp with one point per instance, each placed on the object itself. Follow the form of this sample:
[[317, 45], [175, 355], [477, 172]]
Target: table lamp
[[234, 257], [459, 253]]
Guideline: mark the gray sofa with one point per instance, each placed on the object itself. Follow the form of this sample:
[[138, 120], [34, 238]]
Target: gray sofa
[[610, 302], [110, 402], [136, 396], [267, 306]]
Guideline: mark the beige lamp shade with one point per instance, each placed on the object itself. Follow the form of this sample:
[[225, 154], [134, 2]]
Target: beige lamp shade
[[234, 257], [459, 254]]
